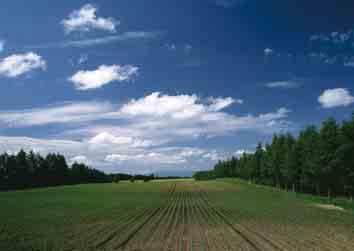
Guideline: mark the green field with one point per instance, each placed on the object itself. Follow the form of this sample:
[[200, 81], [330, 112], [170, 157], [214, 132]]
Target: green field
[[170, 215]]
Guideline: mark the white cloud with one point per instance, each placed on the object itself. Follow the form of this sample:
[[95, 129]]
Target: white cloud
[[333, 48], [118, 157], [214, 156], [177, 107], [241, 152], [81, 159], [167, 118], [111, 159], [335, 97], [138, 135], [130, 35], [105, 138], [2, 45], [192, 152], [334, 37], [148, 158], [268, 51], [85, 80], [181, 106], [85, 19], [289, 84], [63, 113], [167, 156], [218, 104], [152, 120], [44, 146], [18, 64]]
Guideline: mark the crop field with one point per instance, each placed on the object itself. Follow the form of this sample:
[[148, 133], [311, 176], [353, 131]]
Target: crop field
[[173, 215]]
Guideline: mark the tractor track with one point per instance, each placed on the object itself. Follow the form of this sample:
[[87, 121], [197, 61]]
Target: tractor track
[[188, 221], [245, 233]]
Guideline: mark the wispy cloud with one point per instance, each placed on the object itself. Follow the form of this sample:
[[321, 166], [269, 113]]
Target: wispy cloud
[[2, 45], [334, 37], [131, 35], [286, 84], [333, 48], [57, 114], [140, 132], [155, 118], [115, 157]]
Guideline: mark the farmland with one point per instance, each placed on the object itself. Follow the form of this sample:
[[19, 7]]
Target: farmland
[[170, 215]]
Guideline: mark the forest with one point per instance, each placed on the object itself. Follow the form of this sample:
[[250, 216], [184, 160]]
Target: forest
[[29, 170], [320, 160]]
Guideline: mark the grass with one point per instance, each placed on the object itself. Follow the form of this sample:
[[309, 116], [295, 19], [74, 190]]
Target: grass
[[174, 215], [37, 216], [312, 199]]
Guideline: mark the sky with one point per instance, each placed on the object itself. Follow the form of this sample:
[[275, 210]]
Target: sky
[[169, 87]]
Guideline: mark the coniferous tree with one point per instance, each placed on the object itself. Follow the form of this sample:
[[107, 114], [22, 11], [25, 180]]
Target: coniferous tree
[[319, 161]]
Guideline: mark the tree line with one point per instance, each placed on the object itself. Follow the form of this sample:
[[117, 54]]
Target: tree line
[[318, 161], [30, 170], [27, 170]]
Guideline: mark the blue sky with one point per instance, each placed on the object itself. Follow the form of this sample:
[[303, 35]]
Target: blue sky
[[173, 86]]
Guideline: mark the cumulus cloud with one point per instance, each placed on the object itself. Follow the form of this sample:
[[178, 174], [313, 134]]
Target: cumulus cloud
[[141, 131], [177, 107], [105, 138], [103, 75], [335, 97], [81, 159], [155, 119], [85, 19], [288, 84], [19, 64], [167, 118], [168, 156], [155, 104]]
